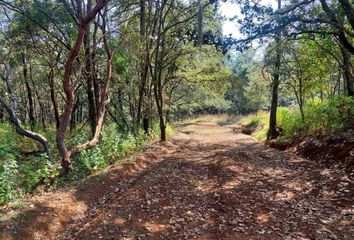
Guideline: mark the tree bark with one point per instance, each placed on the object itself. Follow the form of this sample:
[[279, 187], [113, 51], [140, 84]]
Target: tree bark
[[272, 132], [23, 132], [103, 94], [69, 88], [89, 74], [348, 71], [53, 97], [32, 119], [158, 72], [340, 33], [41, 106], [200, 23], [349, 11]]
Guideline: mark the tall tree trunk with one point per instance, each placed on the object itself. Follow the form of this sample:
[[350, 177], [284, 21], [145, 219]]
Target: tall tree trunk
[[157, 76], [103, 93], [272, 132], [90, 76], [348, 71], [96, 86], [340, 33], [144, 70], [53, 97], [349, 11], [1, 114], [200, 22], [32, 119], [41, 106]]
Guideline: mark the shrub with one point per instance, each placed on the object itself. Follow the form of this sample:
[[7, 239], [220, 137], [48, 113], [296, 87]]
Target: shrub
[[155, 130], [320, 116], [113, 146], [256, 124], [33, 169], [8, 179]]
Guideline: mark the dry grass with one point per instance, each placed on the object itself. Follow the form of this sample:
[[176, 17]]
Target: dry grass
[[220, 119]]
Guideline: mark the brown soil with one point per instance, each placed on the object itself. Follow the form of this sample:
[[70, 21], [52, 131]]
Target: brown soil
[[210, 182], [336, 149]]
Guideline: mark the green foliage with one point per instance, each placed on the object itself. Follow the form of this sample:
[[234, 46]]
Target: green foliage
[[34, 169], [8, 179], [112, 147], [320, 116], [259, 122], [19, 177], [247, 90], [155, 130]]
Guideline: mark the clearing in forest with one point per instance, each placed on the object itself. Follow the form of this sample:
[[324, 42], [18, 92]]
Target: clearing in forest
[[210, 182]]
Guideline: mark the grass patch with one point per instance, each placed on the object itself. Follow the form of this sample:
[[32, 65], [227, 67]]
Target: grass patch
[[256, 125], [220, 119]]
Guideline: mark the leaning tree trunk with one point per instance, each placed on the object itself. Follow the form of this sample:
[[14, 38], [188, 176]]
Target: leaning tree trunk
[[11, 110], [23, 132]]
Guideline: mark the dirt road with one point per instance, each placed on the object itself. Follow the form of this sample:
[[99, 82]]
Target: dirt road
[[211, 182]]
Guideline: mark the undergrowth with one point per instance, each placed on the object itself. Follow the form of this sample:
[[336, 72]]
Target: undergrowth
[[320, 116]]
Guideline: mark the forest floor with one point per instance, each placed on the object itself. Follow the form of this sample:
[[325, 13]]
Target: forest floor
[[210, 182]]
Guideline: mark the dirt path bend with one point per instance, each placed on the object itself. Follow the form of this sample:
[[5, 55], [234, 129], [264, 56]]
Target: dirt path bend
[[216, 184]]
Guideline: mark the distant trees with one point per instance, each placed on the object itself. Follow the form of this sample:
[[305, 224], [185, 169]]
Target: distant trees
[[329, 24]]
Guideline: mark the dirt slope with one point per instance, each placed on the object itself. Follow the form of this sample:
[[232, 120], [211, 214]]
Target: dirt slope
[[209, 183]]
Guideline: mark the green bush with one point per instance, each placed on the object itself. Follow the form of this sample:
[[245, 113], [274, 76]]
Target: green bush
[[320, 116], [34, 169], [329, 115], [113, 146], [19, 177], [155, 130], [254, 122], [289, 119], [8, 179], [19, 174]]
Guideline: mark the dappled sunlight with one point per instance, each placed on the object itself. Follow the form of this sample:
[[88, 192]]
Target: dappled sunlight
[[283, 196], [328, 194], [263, 217], [231, 184], [299, 185], [154, 227], [205, 186], [119, 221], [274, 172]]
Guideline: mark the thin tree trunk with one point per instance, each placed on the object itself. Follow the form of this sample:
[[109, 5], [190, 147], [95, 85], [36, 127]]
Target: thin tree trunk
[[32, 119], [42, 108], [53, 97], [200, 23]]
